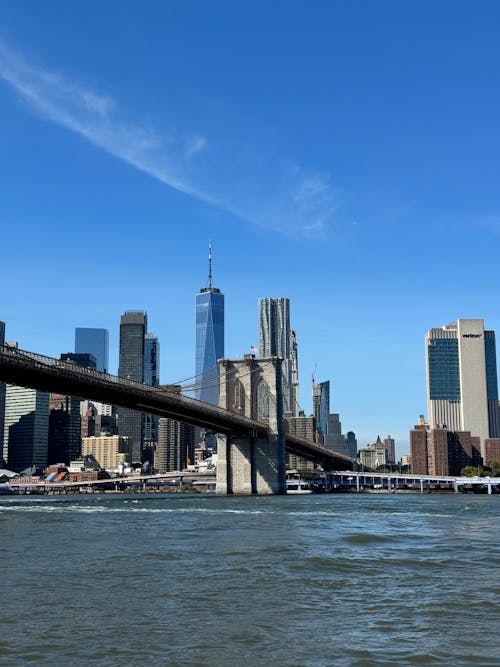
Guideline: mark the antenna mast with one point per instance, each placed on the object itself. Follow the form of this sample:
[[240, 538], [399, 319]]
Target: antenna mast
[[210, 265]]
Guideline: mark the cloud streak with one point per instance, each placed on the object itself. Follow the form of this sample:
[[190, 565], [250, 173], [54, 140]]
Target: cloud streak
[[270, 192]]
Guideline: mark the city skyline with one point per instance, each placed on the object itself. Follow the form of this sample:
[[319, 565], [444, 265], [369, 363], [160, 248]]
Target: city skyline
[[352, 173]]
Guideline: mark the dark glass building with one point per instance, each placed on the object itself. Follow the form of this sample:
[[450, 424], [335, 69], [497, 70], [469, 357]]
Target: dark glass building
[[96, 342], [2, 396], [321, 408], [151, 377], [133, 327], [209, 339]]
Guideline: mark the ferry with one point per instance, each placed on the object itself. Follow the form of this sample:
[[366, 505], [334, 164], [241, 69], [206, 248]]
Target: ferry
[[296, 486]]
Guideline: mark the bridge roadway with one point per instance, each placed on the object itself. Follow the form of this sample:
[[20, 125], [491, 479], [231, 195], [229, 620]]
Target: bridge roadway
[[29, 369]]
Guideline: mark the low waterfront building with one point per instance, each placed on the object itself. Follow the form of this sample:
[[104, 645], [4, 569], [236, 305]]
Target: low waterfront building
[[437, 451]]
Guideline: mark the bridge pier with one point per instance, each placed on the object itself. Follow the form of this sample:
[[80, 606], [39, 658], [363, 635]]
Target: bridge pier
[[247, 465]]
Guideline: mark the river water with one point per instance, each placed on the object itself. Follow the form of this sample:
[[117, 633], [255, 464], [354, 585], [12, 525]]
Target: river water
[[199, 580]]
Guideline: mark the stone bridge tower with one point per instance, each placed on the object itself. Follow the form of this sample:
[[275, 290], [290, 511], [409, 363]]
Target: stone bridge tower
[[252, 463]]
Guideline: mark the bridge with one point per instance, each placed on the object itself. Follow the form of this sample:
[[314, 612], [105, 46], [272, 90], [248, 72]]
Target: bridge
[[251, 452]]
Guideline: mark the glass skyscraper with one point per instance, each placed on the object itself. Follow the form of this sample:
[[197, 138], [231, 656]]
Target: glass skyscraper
[[26, 427], [209, 339], [96, 342], [321, 408], [2, 395], [133, 327], [462, 390], [151, 377]]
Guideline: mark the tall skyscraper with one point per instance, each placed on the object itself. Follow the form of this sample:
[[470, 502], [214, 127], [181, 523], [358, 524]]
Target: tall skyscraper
[[151, 377], [275, 341], [209, 338], [321, 408], [96, 342], [26, 427], [133, 327], [462, 389], [2, 395]]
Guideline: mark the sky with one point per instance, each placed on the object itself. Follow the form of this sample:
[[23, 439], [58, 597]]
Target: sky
[[344, 154]]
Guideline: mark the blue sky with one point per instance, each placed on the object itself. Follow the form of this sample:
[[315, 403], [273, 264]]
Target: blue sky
[[343, 154]]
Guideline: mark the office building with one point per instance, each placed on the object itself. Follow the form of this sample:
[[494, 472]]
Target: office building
[[151, 377], [351, 445], [303, 427], [374, 455], [462, 389], [2, 395], [321, 408], [334, 439], [84, 359], [95, 342], [133, 327], [64, 417], [64, 440], [294, 373], [275, 341], [209, 339], [26, 427], [108, 450], [175, 448], [390, 449]]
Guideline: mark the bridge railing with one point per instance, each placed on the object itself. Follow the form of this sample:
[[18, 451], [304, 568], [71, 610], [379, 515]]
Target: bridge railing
[[28, 359]]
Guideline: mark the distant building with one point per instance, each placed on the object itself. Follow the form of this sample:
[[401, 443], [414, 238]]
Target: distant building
[[64, 417], [152, 378], [351, 445], [390, 449], [275, 341], [303, 427], [108, 450], [374, 455], [294, 373], [209, 339], [133, 327], [84, 359], [64, 439], [26, 427], [334, 439], [462, 388], [491, 450], [2, 396], [175, 448], [95, 342], [438, 451], [321, 408]]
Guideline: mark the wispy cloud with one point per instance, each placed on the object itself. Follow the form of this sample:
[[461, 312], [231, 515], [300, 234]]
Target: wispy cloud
[[258, 188]]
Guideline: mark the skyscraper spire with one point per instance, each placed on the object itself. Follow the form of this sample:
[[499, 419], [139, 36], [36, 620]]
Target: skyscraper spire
[[210, 265]]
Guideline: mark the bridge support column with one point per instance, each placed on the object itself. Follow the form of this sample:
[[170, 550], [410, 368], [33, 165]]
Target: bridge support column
[[248, 465], [270, 466]]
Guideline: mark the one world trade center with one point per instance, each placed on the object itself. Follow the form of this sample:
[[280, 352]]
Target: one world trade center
[[209, 338]]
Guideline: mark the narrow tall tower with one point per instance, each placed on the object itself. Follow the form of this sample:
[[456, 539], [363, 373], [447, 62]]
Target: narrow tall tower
[[151, 377], [276, 340], [2, 395], [209, 338], [133, 327]]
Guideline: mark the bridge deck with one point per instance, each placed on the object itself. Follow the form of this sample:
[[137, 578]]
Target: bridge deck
[[28, 369]]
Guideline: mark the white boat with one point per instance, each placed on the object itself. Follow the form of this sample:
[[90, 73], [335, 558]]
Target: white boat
[[297, 486]]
